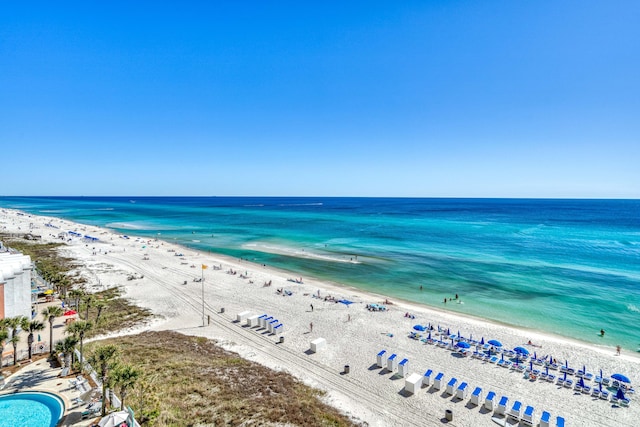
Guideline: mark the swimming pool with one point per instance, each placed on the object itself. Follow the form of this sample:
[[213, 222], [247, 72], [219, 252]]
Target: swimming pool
[[30, 409]]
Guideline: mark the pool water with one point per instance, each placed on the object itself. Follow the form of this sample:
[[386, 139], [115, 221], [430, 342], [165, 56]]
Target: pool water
[[30, 409]]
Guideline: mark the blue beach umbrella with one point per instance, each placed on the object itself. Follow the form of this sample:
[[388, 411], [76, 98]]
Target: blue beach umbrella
[[448, 332], [463, 344], [521, 350], [495, 343], [620, 394], [459, 336], [482, 341], [565, 376], [621, 378], [546, 370], [501, 356], [535, 355], [531, 365], [419, 328], [429, 337], [581, 382], [470, 337]]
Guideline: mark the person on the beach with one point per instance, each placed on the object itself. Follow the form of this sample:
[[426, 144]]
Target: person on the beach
[[311, 307], [601, 332], [311, 326], [618, 348], [445, 300]]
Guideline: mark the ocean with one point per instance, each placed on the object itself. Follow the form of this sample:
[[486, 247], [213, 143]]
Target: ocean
[[569, 267]]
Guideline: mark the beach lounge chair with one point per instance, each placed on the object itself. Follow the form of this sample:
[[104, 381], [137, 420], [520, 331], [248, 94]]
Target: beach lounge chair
[[462, 391], [451, 386], [516, 410], [606, 382], [614, 399], [403, 367], [502, 405], [544, 419], [476, 396], [568, 383], [501, 362], [586, 389], [560, 381], [507, 364], [559, 422], [527, 417], [489, 401], [437, 382], [543, 376], [604, 395], [392, 363], [551, 378], [624, 403], [493, 359], [595, 392], [426, 379], [380, 358]]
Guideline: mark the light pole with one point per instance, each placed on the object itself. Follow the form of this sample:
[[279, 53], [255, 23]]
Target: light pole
[[202, 282]]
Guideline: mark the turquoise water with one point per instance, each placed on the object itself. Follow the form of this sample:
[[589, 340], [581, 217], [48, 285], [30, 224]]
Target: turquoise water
[[570, 267], [30, 410]]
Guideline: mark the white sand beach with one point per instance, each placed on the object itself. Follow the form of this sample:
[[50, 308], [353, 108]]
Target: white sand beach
[[353, 335]]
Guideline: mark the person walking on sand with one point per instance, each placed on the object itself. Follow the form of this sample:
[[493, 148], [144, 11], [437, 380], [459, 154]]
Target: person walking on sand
[[311, 326], [618, 348], [311, 307]]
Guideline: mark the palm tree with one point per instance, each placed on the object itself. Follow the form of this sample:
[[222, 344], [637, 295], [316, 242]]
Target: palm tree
[[4, 334], [15, 324], [78, 329], [104, 358], [66, 347], [88, 301], [124, 376], [32, 326], [51, 313], [99, 305], [77, 295]]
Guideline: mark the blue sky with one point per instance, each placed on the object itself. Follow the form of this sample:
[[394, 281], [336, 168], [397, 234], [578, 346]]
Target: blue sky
[[424, 98]]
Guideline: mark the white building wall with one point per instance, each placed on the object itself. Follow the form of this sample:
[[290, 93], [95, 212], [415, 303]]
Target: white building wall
[[16, 270]]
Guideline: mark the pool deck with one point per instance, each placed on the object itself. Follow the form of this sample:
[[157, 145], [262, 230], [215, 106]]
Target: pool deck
[[41, 376]]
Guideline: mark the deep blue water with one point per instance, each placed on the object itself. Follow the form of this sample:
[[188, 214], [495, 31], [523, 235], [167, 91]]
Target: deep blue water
[[570, 267]]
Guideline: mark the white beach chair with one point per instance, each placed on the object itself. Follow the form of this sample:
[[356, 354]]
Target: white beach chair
[[527, 417], [392, 363], [516, 410], [403, 367], [544, 419], [462, 391], [437, 382], [426, 379], [476, 396], [502, 405], [489, 401], [451, 386]]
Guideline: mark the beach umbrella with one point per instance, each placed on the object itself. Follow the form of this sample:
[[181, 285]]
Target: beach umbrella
[[581, 382], [429, 337], [531, 366], [463, 344], [114, 419], [470, 337], [482, 341], [448, 332], [495, 343], [620, 394], [546, 370], [621, 378], [521, 350], [70, 313], [459, 336], [535, 355], [48, 292], [419, 328], [565, 376], [501, 356]]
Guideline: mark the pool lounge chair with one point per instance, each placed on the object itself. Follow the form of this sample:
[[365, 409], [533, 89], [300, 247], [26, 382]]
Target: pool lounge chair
[[544, 419], [527, 417], [559, 422], [451, 386], [516, 410], [502, 405], [489, 401], [476, 396]]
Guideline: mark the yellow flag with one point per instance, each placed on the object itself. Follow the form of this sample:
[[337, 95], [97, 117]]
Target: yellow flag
[[204, 267]]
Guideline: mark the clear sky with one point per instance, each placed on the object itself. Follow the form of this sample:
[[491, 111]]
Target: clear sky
[[267, 98]]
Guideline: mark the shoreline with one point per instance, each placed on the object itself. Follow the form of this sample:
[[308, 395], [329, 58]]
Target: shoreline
[[354, 339]]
